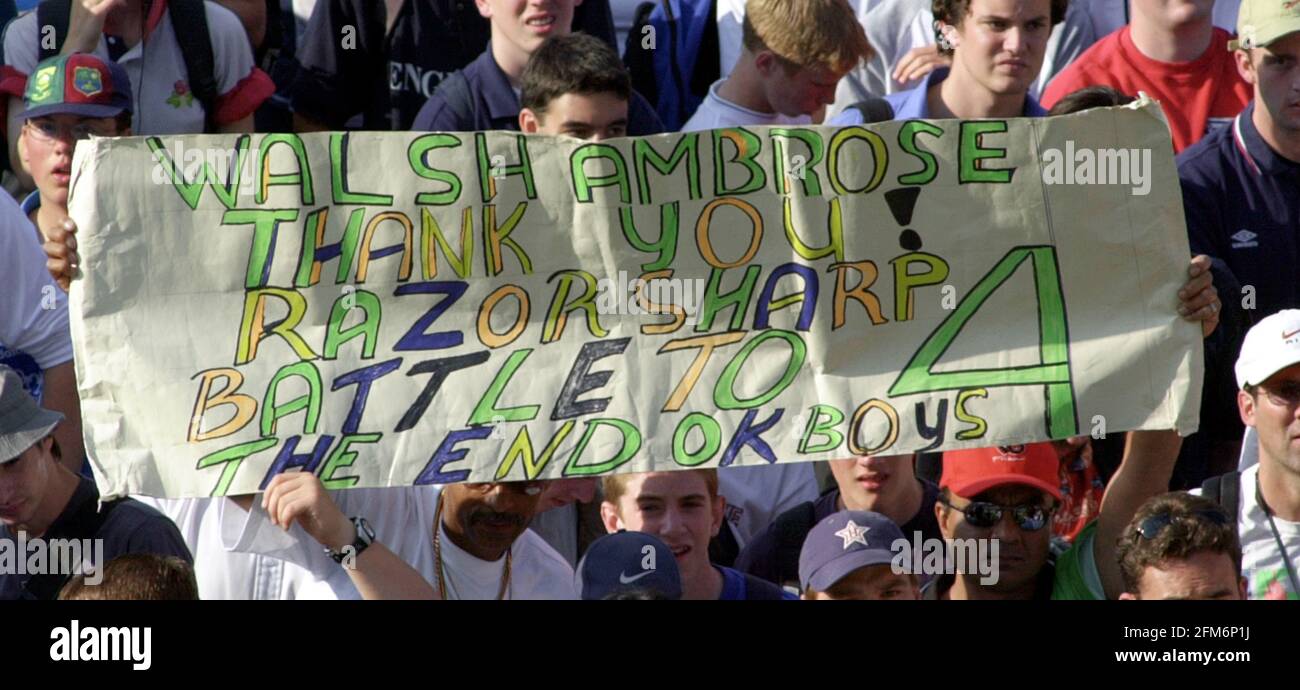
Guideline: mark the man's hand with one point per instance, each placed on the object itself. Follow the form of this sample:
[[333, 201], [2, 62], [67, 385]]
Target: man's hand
[[300, 496], [378, 573], [61, 258], [86, 24], [1198, 300], [1148, 463], [919, 62]]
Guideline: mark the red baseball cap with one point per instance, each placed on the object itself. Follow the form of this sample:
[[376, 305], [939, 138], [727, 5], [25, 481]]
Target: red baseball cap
[[970, 472]]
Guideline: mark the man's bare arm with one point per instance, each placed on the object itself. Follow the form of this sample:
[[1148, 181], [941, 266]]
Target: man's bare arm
[[86, 24], [1148, 463], [378, 573]]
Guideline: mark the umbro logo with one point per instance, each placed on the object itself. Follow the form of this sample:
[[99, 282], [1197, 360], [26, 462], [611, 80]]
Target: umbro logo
[[1244, 239]]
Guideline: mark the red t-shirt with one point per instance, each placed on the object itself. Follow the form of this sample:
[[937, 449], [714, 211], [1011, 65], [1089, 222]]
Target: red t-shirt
[[1193, 94]]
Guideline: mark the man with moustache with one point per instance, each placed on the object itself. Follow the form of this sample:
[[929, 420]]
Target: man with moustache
[[464, 541], [885, 484]]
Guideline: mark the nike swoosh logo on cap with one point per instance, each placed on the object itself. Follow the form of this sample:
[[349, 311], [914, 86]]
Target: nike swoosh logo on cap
[[624, 579], [1286, 335]]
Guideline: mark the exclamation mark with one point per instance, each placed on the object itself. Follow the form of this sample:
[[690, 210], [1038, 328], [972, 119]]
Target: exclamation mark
[[902, 202]]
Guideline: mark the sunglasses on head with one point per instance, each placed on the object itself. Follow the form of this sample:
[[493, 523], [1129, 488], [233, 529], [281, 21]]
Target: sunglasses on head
[[1151, 527], [1029, 517]]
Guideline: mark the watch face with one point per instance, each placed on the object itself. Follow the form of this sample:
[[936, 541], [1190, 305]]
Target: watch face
[[363, 528]]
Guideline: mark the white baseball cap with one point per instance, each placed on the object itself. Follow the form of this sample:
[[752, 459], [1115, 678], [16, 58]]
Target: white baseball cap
[[1271, 346]]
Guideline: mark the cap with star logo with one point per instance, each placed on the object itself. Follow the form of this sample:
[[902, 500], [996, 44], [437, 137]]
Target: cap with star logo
[[77, 84], [844, 542]]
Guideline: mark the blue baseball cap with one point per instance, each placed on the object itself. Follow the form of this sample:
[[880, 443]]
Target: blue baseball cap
[[628, 561], [844, 542]]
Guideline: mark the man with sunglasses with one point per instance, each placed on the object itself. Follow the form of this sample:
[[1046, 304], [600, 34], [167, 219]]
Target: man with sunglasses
[[1181, 546], [1011, 493], [458, 541], [1007, 493], [1264, 499]]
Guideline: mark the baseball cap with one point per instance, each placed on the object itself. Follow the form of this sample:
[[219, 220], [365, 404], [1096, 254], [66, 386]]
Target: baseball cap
[[1260, 22], [626, 561], [844, 542], [970, 472], [1270, 346], [22, 421], [77, 84]]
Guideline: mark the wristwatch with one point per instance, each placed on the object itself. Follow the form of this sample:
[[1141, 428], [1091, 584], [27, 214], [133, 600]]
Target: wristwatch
[[365, 537]]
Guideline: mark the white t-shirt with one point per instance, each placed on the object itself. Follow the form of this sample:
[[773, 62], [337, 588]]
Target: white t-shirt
[[757, 495], [164, 103], [223, 574], [403, 519], [33, 309], [730, 34], [1261, 562], [715, 112]]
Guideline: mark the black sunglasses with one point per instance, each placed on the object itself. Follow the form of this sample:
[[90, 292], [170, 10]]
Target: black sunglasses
[[1151, 527], [983, 514]]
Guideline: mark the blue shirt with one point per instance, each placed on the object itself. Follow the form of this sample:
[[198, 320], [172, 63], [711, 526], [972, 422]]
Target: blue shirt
[[23, 364], [912, 105], [129, 527], [1242, 202], [494, 105], [736, 588], [33, 376]]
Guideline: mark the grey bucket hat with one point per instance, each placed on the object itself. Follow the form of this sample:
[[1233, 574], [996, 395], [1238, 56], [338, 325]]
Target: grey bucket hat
[[22, 421]]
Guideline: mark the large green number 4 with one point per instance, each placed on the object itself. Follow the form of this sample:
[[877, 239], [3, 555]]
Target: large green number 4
[[1053, 344]]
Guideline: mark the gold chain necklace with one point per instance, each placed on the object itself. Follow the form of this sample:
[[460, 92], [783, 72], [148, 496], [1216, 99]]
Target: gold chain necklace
[[437, 557]]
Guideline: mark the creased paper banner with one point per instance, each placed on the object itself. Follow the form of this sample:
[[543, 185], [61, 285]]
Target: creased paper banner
[[408, 308]]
